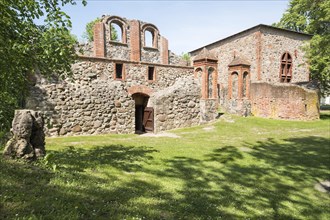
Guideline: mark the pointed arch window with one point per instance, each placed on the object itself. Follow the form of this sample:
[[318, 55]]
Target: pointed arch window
[[210, 83], [245, 84], [150, 36], [286, 68], [234, 85]]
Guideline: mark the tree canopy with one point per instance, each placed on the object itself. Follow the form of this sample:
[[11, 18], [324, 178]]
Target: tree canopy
[[26, 47], [312, 17]]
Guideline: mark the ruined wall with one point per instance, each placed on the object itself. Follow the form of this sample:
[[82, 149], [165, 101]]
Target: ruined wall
[[284, 101], [178, 105], [262, 48], [94, 102]]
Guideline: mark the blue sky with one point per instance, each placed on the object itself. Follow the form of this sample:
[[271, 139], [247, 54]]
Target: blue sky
[[187, 25]]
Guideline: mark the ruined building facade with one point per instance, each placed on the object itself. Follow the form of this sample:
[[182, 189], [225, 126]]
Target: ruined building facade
[[130, 85], [259, 71]]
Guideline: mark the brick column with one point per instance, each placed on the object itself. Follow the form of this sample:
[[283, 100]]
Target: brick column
[[230, 85], [214, 83], [204, 83], [248, 85], [99, 41], [164, 50], [135, 41]]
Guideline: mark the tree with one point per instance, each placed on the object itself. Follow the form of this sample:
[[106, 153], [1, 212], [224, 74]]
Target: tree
[[186, 57], [89, 31], [26, 47], [312, 17]]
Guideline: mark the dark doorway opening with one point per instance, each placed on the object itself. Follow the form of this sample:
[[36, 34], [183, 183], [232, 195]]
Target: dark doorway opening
[[144, 121]]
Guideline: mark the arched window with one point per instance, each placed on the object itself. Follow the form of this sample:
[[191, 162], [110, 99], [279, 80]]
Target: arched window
[[234, 85], [116, 32], [117, 29], [245, 82], [286, 68], [150, 35], [148, 38], [209, 83]]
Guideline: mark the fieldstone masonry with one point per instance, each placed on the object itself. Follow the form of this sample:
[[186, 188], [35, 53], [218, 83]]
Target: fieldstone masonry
[[254, 56], [113, 82]]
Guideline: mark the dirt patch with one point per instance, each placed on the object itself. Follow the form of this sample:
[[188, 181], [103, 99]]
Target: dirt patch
[[161, 134], [210, 128], [227, 118]]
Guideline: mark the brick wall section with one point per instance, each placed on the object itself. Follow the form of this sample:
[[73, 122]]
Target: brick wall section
[[99, 44], [164, 50], [135, 41], [285, 101]]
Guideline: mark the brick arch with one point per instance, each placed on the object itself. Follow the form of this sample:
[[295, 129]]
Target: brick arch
[[154, 32], [233, 79], [121, 23], [246, 84], [197, 70], [140, 89]]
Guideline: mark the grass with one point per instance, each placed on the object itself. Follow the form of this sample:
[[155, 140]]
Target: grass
[[251, 168]]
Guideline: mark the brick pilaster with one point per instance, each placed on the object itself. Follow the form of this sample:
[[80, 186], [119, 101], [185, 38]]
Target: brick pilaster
[[164, 50], [135, 41], [259, 54], [99, 41]]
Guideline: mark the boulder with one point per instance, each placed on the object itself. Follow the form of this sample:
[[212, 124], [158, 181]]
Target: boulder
[[28, 139]]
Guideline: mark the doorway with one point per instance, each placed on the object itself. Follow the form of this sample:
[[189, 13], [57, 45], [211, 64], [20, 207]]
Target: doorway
[[144, 116]]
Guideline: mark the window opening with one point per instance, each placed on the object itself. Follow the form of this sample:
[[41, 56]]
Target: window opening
[[116, 32], [149, 38], [119, 71], [245, 81], [151, 72], [286, 68], [209, 83], [234, 85]]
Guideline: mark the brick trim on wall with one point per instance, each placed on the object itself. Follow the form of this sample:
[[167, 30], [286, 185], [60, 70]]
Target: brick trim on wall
[[99, 40]]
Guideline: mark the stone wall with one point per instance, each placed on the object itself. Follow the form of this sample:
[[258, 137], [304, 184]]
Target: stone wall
[[260, 47], [284, 101], [178, 105], [243, 45], [274, 44], [92, 101], [150, 55]]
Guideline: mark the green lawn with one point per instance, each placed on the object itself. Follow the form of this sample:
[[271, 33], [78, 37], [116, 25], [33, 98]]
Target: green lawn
[[239, 168]]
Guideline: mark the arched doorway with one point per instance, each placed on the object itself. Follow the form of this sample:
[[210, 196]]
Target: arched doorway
[[144, 118]]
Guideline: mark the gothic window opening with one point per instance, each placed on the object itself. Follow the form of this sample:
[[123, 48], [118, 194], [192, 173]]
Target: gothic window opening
[[245, 82], [234, 86], [116, 32], [148, 38], [209, 83], [119, 71], [151, 73], [286, 68]]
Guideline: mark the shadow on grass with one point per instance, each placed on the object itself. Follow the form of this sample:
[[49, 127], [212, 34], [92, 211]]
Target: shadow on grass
[[272, 181], [127, 158], [277, 182]]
